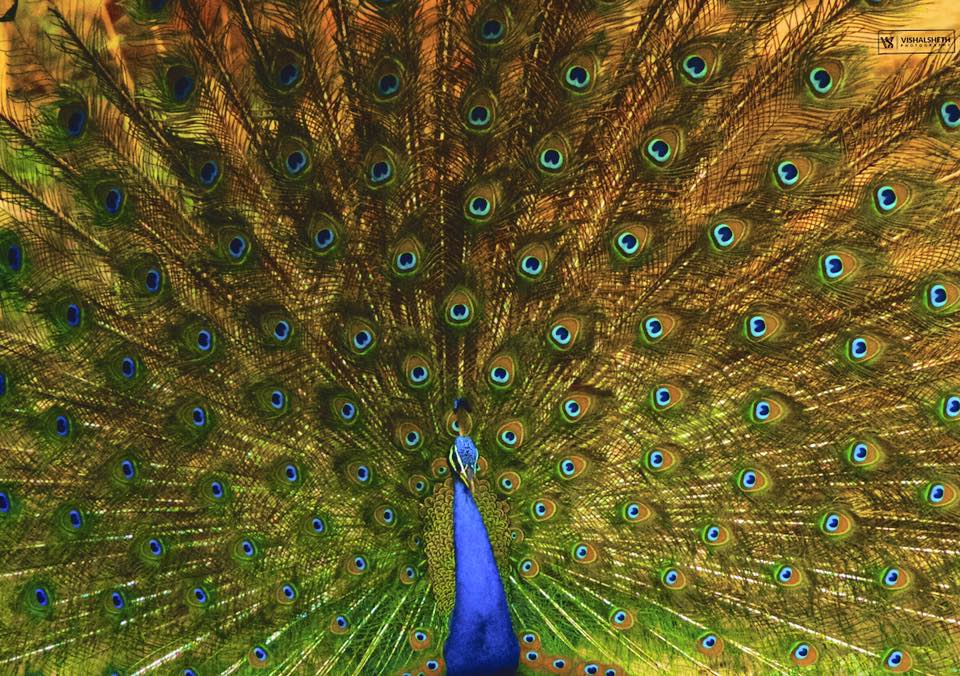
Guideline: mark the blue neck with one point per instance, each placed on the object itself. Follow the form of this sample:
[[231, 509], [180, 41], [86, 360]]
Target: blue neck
[[481, 640]]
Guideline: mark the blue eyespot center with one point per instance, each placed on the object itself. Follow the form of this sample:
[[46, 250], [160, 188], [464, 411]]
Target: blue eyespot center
[[479, 116], [406, 261], [128, 367], [199, 416], [695, 66], [362, 339], [182, 88], [324, 238], [74, 315], [551, 159], [886, 198], [578, 77], [479, 206], [388, 85], [238, 247], [723, 235], [152, 280], [14, 257], [209, 172], [560, 334], [950, 114], [204, 339], [296, 162], [628, 243], [761, 410], [288, 75], [936, 493], [821, 80], [76, 122], [659, 150], [788, 173], [62, 425], [653, 327], [216, 489], [858, 348], [492, 30], [113, 200], [951, 406], [380, 171]]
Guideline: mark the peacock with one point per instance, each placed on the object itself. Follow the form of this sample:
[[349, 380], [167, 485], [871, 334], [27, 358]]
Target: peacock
[[481, 337]]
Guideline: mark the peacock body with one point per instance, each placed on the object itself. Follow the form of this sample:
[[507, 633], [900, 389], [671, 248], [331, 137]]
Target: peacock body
[[406, 336]]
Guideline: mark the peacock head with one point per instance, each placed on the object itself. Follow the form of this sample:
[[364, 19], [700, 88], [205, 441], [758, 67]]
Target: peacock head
[[464, 455]]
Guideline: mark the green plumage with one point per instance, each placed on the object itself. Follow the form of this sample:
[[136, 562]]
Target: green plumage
[[694, 265]]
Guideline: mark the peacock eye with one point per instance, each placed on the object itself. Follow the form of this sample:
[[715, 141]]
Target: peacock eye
[[288, 75], [479, 117], [665, 397], [950, 407], [897, 660], [380, 172], [72, 118], [180, 83], [492, 31], [209, 173], [950, 115], [551, 160], [388, 85], [835, 524], [324, 239], [577, 77], [820, 80], [788, 173], [695, 67], [886, 198], [152, 280], [727, 234], [296, 162], [658, 150], [723, 235], [940, 494], [128, 367]]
